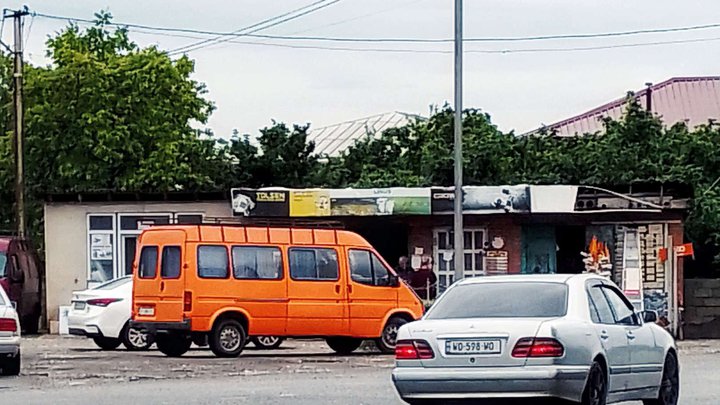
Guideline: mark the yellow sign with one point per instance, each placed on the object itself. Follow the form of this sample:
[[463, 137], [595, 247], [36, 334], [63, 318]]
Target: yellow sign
[[269, 196], [309, 203]]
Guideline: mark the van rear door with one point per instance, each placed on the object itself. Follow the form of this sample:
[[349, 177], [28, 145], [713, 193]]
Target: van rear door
[[159, 281]]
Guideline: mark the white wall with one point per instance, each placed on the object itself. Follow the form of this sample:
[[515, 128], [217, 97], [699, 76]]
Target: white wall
[[66, 242]]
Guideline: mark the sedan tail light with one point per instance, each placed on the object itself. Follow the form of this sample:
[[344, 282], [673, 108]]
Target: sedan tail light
[[413, 350], [538, 347], [102, 302], [8, 325]]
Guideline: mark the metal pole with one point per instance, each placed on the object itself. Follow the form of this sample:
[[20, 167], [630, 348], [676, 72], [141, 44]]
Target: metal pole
[[18, 132], [458, 202]]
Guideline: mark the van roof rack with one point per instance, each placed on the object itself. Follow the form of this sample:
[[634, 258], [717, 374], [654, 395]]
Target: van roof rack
[[274, 222]]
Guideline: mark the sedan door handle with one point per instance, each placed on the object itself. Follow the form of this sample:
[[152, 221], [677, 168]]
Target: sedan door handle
[[630, 335], [604, 335]]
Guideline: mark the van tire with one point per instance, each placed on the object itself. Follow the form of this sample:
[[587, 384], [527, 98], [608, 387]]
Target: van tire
[[343, 345], [227, 338], [133, 339], [11, 365], [107, 343], [386, 342], [173, 344], [267, 342]]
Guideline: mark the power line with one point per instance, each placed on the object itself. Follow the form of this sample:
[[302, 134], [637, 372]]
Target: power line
[[398, 40], [268, 20], [447, 52], [275, 21]]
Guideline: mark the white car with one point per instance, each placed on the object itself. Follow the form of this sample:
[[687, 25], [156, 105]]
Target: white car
[[9, 337], [103, 314], [559, 337]]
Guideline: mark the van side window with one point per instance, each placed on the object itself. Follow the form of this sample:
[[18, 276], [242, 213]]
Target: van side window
[[313, 264], [212, 262], [148, 262], [366, 268], [251, 262], [170, 267]]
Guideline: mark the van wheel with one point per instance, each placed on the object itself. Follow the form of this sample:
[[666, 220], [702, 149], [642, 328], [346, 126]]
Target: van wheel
[[343, 345], [227, 338], [173, 344], [135, 339], [386, 342], [267, 342], [107, 343]]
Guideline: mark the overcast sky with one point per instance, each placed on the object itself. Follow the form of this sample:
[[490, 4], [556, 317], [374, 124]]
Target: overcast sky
[[254, 84]]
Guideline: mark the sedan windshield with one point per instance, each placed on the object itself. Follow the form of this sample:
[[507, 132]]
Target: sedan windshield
[[502, 300]]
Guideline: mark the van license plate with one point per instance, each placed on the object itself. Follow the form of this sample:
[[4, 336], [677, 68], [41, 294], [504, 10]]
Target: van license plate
[[144, 311], [473, 347]]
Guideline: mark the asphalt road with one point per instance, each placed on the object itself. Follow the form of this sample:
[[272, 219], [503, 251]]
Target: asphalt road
[[71, 372]]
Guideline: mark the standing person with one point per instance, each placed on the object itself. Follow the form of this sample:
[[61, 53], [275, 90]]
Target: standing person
[[403, 269], [423, 280]]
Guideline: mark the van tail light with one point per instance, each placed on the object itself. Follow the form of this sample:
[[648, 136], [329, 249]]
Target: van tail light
[[102, 302], [413, 350], [8, 325], [187, 301], [538, 347]]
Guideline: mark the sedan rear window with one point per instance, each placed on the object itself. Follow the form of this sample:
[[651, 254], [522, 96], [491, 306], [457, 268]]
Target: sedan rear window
[[502, 300]]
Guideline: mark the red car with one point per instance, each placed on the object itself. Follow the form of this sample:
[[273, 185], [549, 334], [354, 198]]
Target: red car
[[20, 278]]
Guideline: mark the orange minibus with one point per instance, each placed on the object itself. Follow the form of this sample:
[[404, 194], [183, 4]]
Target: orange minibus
[[224, 284]]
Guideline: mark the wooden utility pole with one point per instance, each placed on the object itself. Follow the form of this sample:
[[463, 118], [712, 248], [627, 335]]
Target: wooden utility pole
[[18, 141]]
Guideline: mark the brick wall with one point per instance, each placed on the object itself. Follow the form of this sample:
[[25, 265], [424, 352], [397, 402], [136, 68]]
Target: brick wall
[[702, 309], [421, 234]]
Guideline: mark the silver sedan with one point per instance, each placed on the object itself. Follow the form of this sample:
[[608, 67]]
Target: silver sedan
[[557, 337]]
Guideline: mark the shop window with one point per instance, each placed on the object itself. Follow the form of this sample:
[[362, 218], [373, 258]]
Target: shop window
[[314, 264], [189, 219], [444, 257], [135, 222], [101, 248]]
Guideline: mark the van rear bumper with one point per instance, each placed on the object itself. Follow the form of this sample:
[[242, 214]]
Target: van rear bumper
[[162, 327]]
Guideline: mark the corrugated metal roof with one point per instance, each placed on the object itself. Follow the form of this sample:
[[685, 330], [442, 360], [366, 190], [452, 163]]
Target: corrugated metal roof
[[335, 139], [694, 100]]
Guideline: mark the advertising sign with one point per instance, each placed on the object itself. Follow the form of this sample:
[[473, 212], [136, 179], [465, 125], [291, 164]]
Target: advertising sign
[[260, 203], [330, 202], [380, 201], [483, 200]]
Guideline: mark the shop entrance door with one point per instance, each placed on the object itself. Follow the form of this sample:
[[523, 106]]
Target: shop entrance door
[[539, 249]]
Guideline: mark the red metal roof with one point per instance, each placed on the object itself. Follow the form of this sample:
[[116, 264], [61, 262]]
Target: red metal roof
[[694, 100]]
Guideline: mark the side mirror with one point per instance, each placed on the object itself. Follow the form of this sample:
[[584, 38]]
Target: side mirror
[[14, 304], [393, 280], [649, 316]]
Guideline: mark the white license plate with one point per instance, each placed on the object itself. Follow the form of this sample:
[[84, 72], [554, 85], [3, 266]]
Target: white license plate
[[144, 311], [474, 346], [79, 306]]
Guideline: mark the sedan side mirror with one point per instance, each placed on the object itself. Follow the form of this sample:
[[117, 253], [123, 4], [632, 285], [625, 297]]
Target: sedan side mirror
[[650, 316]]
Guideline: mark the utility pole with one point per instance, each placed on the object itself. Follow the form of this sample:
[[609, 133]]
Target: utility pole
[[18, 142], [459, 240]]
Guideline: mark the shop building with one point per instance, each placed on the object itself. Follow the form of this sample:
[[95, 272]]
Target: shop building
[[508, 229]]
